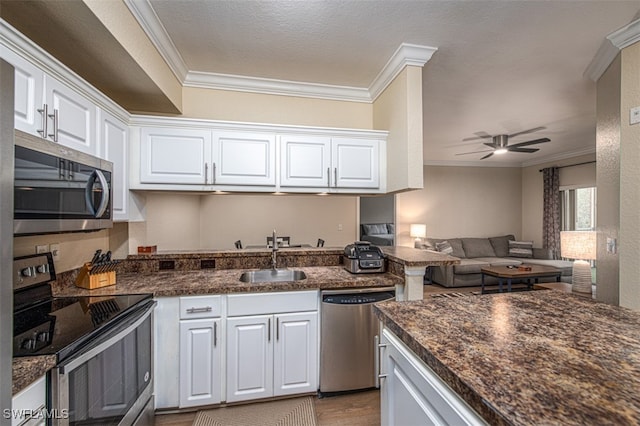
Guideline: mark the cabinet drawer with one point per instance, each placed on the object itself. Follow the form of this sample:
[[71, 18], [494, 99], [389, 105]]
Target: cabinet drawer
[[271, 303], [32, 398], [200, 307]]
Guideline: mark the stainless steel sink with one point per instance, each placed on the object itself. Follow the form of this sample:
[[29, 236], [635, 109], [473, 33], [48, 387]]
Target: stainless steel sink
[[272, 275]]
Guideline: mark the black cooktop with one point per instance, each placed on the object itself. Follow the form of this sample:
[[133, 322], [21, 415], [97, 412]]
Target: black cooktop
[[61, 325]]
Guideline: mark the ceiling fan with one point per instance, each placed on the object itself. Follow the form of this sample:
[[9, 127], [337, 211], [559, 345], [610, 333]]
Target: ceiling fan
[[500, 144]]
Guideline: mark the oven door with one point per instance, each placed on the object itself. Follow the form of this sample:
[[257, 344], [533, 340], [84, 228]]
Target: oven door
[[109, 382]]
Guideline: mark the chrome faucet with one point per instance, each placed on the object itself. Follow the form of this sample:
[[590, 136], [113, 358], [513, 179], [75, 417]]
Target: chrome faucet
[[274, 250]]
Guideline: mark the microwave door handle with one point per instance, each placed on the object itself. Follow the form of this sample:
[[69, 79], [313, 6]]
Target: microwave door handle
[[88, 190]]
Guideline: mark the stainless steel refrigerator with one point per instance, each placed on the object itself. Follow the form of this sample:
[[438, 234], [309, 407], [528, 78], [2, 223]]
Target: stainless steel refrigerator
[[6, 236]]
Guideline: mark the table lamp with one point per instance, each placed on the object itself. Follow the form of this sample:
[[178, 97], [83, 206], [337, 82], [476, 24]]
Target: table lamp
[[581, 246], [418, 231]]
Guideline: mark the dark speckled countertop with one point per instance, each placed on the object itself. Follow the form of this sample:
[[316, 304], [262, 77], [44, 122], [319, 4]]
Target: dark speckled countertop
[[179, 283], [536, 358]]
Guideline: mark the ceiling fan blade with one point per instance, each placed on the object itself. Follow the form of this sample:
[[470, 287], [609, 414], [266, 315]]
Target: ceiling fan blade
[[479, 135], [491, 144], [528, 150], [487, 156], [524, 132], [473, 152], [533, 142]]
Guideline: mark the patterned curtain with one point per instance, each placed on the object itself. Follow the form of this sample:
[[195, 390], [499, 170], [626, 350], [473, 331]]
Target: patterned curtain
[[551, 219]]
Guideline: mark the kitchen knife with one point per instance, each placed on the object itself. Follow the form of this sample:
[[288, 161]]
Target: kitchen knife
[[96, 256]]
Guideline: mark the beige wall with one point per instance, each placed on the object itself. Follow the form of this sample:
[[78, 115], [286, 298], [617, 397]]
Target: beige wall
[[533, 191], [630, 180], [75, 249], [399, 110], [192, 222], [262, 108], [462, 202], [608, 177]]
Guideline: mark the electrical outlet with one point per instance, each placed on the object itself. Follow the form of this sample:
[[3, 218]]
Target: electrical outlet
[[55, 251], [634, 115], [42, 248], [339, 227]]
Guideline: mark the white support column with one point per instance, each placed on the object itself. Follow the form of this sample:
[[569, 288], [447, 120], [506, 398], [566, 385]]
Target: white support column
[[413, 284]]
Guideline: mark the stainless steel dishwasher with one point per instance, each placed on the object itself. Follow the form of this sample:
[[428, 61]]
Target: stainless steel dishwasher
[[348, 330]]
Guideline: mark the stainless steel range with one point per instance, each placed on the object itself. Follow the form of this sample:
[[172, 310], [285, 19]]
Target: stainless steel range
[[103, 346]]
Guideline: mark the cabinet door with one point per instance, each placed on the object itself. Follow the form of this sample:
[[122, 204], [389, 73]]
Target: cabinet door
[[305, 161], [244, 159], [166, 352], [296, 353], [200, 366], [180, 156], [114, 146], [411, 393], [356, 163], [249, 357], [28, 93], [75, 126]]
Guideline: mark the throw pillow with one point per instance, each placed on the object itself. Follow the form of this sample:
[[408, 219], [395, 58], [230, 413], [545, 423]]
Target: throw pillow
[[444, 247], [521, 248]]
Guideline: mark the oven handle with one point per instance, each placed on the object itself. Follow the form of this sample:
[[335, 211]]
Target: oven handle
[[128, 325]]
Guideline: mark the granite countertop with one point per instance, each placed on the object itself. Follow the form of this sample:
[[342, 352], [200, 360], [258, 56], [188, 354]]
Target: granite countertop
[[27, 369], [178, 283], [536, 358], [410, 256]]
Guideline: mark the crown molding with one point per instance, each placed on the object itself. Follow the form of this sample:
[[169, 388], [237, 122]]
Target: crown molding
[[558, 157], [610, 47], [406, 54], [151, 25], [275, 87]]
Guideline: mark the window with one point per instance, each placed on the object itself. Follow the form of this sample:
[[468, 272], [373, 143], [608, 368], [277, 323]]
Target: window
[[578, 209]]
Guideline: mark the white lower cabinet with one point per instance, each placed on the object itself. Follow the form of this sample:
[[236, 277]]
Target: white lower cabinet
[[412, 393], [30, 404], [200, 362]]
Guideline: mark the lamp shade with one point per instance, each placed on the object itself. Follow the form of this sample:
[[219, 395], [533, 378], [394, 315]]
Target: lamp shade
[[418, 230], [579, 245]]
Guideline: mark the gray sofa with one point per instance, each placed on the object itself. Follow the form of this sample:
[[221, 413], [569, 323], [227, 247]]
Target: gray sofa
[[379, 234], [476, 253]]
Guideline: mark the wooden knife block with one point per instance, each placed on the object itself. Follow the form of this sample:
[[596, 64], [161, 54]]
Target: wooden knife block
[[92, 281]]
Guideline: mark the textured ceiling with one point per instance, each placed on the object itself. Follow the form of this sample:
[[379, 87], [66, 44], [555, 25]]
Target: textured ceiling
[[501, 66]]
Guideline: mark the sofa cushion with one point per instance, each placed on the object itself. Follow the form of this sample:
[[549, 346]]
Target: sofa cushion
[[444, 247], [477, 247], [501, 244], [391, 228], [500, 261], [521, 249], [469, 266], [374, 228], [456, 245]]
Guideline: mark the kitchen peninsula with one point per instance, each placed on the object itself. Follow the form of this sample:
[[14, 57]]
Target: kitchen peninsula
[[541, 357]]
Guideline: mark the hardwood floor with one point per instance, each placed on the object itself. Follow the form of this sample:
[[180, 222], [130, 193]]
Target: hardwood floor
[[354, 409]]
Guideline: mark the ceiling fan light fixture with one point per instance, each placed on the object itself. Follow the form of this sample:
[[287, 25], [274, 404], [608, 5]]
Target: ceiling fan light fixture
[[500, 151]]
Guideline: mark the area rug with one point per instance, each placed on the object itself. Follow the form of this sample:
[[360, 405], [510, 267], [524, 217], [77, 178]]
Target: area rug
[[285, 412]]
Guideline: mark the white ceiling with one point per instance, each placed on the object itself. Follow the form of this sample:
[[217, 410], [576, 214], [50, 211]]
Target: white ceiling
[[501, 66]]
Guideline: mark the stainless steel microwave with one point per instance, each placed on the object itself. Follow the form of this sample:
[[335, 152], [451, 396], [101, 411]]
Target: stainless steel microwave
[[58, 189]]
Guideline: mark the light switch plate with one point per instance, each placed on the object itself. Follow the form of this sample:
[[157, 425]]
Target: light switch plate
[[634, 115]]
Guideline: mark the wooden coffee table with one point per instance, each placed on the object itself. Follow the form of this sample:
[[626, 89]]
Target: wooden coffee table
[[511, 273]]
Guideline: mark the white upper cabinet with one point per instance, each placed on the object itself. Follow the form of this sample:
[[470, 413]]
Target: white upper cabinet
[[356, 163], [28, 94], [241, 158], [114, 146], [72, 117], [175, 156], [305, 161]]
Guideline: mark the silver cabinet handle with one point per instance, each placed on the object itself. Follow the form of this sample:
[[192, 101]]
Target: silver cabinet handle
[[379, 347], [206, 173], [54, 117], [335, 177], [45, 117], [269, 331], [199, 310], [277, 329], [329, 176], [214, 173], [215, 334]]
